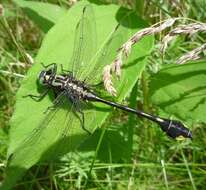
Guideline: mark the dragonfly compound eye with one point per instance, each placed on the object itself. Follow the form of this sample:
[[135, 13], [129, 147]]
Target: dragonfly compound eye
[[42, 77]]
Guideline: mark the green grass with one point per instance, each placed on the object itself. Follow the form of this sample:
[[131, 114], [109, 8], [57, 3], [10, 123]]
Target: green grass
[[127, 152]]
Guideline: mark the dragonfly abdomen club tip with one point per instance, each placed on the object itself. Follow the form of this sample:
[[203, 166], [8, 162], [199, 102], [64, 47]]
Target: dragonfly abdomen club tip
[[175, 129]]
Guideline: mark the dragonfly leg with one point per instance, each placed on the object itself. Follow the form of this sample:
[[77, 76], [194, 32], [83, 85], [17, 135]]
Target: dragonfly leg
[[97, 84], [50, 108], [55, 103], [78, 109], [64, 71], [37, 98], [52, 64], [82, 122], [53, 69]]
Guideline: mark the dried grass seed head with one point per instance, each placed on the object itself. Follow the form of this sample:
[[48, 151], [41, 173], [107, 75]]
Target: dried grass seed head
[[107, 79], [1, 10]]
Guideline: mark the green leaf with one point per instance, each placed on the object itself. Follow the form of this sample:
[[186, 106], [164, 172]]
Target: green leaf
[[114, 146], [180, 90], [64, 133], [45, 15], [139, 7]]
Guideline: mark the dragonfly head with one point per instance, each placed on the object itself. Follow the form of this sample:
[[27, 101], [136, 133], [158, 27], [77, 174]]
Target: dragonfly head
[[45, 77]]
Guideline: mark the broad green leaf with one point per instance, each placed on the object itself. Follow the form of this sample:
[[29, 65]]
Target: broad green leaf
[[45, 15], [114, 145], [64, 133], [180, 90]]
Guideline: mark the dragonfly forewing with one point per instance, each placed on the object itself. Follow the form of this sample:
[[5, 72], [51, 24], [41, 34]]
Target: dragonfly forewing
[[84, 43]]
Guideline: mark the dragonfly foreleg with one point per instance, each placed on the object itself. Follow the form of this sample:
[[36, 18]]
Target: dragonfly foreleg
[[39, 97], [52, 64]]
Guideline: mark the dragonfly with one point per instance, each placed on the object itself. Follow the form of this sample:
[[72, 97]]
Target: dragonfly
[[70, 85], [76, 96]]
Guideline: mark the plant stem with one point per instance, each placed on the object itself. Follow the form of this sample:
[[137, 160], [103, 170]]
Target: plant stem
[[8, 30], [145, 90], [144, 83], [132, 120]]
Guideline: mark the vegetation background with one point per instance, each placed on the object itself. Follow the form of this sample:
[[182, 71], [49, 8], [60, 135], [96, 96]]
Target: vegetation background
[[138, 158]]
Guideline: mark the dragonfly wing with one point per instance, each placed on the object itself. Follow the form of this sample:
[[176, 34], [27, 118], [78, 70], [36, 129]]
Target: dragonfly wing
[[45, 141], [106, 56], [84, 43]]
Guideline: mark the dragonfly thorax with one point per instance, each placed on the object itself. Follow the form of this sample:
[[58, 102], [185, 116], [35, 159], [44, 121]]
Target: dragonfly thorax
[[72, 86], [67, 83]]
